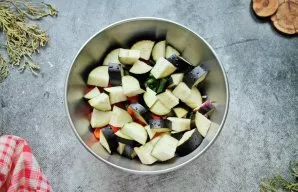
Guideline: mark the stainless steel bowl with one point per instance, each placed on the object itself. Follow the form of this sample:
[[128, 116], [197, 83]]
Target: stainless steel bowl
[[122, 34]]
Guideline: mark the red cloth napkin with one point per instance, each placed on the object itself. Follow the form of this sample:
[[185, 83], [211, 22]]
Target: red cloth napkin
[[19, 170]]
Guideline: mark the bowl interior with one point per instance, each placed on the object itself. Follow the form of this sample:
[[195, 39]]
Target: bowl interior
[[124, 34]]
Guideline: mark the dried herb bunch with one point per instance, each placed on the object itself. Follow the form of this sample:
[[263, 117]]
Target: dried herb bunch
[[22, 38], [278, 183]]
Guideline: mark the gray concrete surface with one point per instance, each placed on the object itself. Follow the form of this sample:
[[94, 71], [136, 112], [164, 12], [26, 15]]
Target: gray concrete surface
[[258, 140]]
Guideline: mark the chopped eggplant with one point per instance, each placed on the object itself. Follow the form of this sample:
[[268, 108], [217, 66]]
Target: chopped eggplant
[[120, 148], [122, 138], [203, 124], [159, 50], [159, 109], [129, 56], [180, 112], [135, 131], [191, 97], [168, 99], [131, 86], [177, 135], [112, 57], [93, 93], [108, 139], [115, 74], [101, 102], [100, 118], [179, 124], [160, 125], [206, 108], [165, 148], [144, 152], [128, 152], [149, 97], [182, 91], [180, 63], [170, 51], [138, 111], [162, 68], [116, 94], [99, 77], [140, 67], [119, 117], [174, 80], [189, 142], [145, 48], [194, 77], [195, 98], [149, 131], [138, 108]]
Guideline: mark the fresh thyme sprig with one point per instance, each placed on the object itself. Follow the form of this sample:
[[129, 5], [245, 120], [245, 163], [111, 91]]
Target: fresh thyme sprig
[[22, 39], [275, 184]]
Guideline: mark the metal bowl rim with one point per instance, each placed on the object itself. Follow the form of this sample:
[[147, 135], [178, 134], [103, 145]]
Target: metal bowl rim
[[163, 170]]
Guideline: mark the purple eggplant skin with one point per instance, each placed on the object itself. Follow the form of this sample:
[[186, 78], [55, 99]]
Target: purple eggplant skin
[[114, 70], [192, 76], [190, 145], [128, 151], [160, 123], [181, 64], [206, 107], [138, 108], [110, 137], [177, 136], [126, 141]]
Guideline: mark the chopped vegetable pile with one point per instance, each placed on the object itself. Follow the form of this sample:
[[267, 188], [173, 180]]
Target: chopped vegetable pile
[[146, 103]]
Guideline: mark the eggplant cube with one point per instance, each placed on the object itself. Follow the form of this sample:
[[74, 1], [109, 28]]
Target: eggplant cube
[[195, 76], [189, 142], [179, 124], [93, 93], [168, 99], [128, 56], [159, 109], [159, 50], [203, 124], [116, 94], [145, 48], [101, 102], [144, 153], [99, 77], [182, 91], [180, 112], [131, 86], [135, 131], [165, 148], [149, 97], [119, 117], [100, 118], [181, 64], [162, 68], [112, 57], [108, 139], [175, 79], [171, 51], [140, 67], [115, 74]]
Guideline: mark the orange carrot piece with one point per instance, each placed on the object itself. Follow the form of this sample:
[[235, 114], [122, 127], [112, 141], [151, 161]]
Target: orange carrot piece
[[130, 111], [96, 132], [155, 116], [133, 99], [157, 134], [115, 129]]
